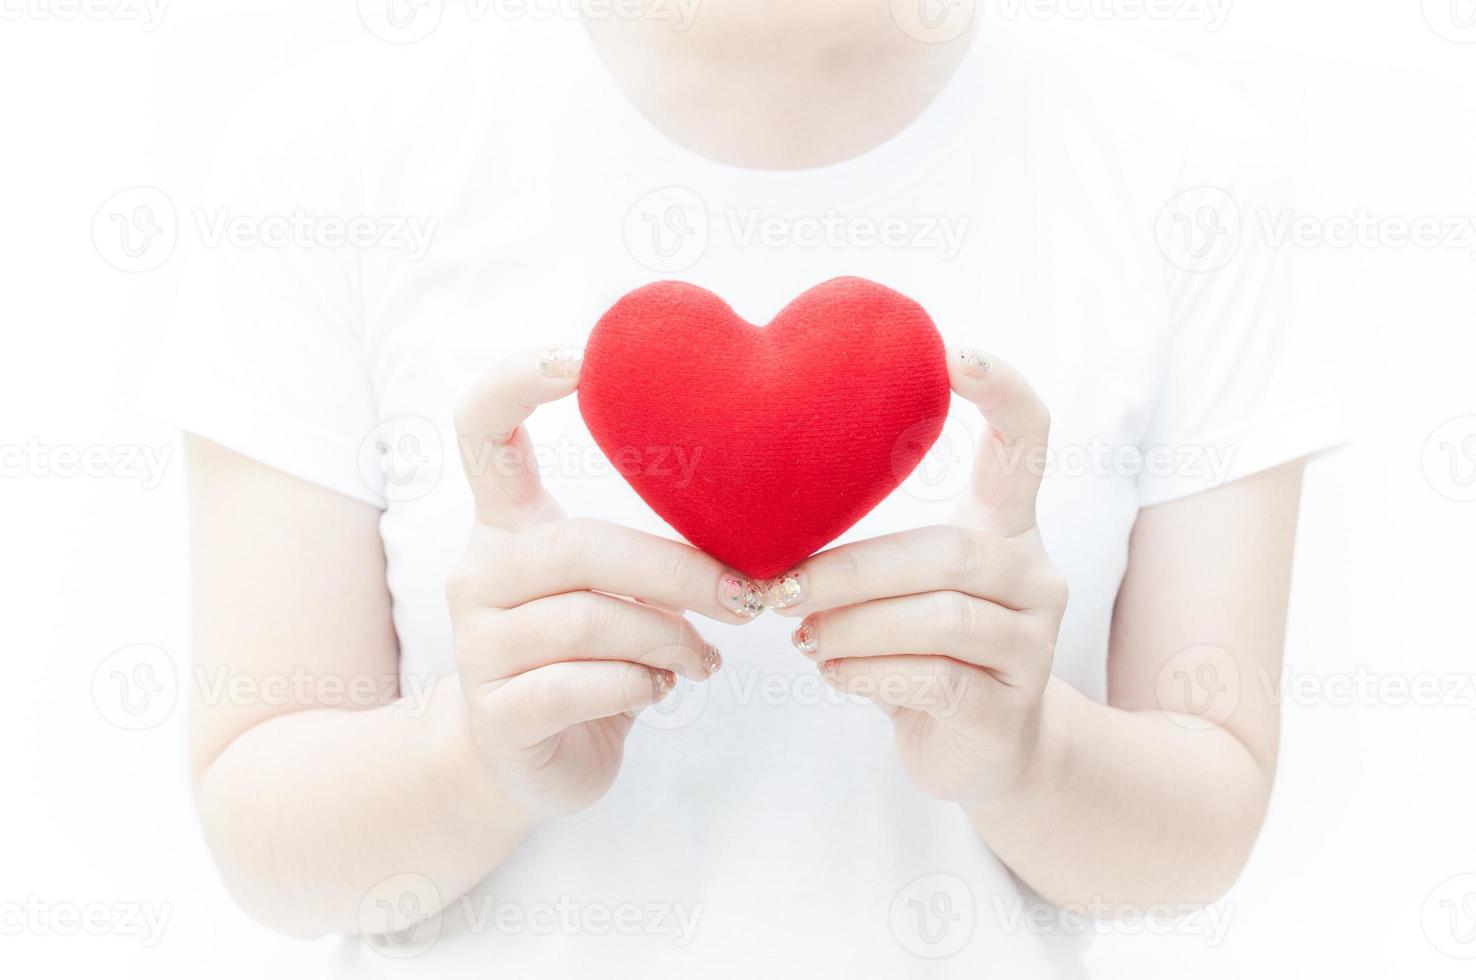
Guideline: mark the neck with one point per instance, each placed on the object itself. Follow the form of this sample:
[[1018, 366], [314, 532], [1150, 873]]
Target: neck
[[777, 84]]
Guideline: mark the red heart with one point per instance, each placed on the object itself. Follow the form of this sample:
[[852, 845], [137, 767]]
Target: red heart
[[762, 445]]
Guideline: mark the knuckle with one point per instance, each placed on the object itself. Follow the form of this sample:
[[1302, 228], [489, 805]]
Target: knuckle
[[961, 553], [1056, 589], [476, 641], [1034, 637], [568, 542], [1042, 413], [477, 577], [462, 583], [586, 622], [954, 614], [676, 570]]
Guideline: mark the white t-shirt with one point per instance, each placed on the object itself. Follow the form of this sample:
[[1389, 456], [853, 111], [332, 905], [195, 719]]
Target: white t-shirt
[[762, 824]]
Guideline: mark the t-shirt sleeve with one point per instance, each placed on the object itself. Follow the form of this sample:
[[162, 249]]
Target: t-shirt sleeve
[[266, 353], [1246, 383]]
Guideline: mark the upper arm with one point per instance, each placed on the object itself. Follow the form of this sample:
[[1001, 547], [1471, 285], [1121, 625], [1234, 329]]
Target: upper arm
[[1200, 618], [289, 602]]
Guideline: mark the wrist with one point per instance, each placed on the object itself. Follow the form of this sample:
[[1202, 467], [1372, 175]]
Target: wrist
[[1044, 758], [462, 765]]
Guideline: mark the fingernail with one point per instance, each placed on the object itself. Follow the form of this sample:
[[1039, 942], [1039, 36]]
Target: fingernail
[[785, 591], [804, 638], [740, 595], [563, 361], [665, 681], [975, 363], [712, 659], [829, 668]]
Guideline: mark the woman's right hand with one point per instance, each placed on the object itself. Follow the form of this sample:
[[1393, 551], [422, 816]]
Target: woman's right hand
[[553, 663]]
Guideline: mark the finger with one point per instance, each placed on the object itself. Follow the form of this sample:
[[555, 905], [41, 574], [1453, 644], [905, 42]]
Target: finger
[[1010, 645], [957, 693], [1012, 456], [543, 702], [576, 554], [496, 644], [927, 559], [495, 451]]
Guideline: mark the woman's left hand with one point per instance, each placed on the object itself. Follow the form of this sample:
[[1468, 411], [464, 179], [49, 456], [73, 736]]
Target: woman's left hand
[[950, 629]]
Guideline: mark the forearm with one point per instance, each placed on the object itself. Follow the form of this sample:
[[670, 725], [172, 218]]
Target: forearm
[[1127, 808], [307, 812]]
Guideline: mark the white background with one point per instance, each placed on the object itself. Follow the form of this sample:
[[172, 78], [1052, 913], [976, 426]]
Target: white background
[[1373, 810]]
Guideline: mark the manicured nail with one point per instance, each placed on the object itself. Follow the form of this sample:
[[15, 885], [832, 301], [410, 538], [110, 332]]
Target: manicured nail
[[563, 361], [740, 595], [712, 659], [975, 363], [804, 638], [829, 668], [785, 591], [665, 681]]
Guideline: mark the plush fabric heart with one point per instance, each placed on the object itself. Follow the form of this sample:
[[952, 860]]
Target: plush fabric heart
[[761, 445]]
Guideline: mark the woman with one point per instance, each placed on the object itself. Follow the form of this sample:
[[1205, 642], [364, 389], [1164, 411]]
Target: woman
[[951, 751]]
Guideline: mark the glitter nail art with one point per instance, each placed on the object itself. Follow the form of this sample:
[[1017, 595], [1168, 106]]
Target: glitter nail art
[[974, 362], [785, 591], [560, 362], [805, 640], [741, 596], [665, 681], [712, 660]]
